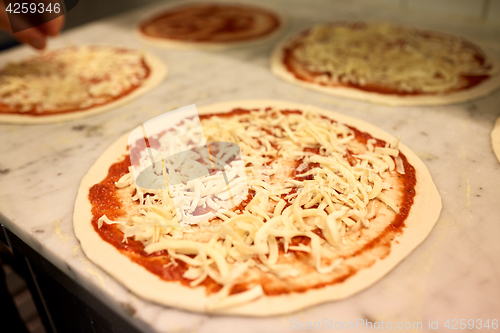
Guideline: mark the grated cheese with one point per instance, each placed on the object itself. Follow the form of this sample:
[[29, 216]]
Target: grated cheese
[[70, 78], [392, 57], [294, 193]]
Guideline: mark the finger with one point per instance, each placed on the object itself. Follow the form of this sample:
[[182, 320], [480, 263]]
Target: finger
[[4, 19], [52, 27], [33, 37]]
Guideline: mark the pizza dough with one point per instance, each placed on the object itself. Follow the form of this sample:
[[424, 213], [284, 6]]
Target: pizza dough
[[386, 64], [420, 221], [96, 79], [495, 138], [211, 26]]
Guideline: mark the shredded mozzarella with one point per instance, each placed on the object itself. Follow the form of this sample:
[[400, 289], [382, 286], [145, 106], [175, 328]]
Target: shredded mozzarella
[[293, 192], [70, 78], [388, 56]]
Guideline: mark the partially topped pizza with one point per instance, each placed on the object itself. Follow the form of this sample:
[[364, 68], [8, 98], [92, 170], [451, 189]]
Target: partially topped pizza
[[332, 205], [211, 26], [386, 63], [74, 81]]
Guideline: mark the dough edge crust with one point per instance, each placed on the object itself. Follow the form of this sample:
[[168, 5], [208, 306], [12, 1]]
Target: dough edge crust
[[484, 88], [158, 74], [495, 139], [421, 219], [215, 47]]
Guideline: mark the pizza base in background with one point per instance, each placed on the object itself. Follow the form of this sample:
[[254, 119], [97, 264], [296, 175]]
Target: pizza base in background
[[84, 89], [357, 80], [422, 216], [495, 139], [211, 26]]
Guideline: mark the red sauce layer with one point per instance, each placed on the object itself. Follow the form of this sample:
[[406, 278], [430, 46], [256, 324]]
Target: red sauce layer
[[291, 64], [211, 23], [7, 109], [104, 201]]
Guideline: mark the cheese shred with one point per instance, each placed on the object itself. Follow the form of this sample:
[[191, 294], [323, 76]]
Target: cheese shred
[[292, 193]]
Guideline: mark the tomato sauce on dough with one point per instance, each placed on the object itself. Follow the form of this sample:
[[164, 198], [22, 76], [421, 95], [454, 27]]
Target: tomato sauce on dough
[[104, 201]]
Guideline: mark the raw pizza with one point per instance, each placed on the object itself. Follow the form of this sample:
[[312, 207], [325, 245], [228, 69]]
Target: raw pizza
[[387, 64], [75, 82], [211, 26], [333, 205]]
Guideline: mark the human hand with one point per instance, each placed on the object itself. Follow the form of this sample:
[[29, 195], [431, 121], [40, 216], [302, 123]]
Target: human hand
[[36, 36]]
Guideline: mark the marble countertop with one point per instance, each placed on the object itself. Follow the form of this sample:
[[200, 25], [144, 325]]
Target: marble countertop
[[454, 274]]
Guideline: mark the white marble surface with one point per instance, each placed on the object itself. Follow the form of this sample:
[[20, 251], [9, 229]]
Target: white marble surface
[[454, 274]]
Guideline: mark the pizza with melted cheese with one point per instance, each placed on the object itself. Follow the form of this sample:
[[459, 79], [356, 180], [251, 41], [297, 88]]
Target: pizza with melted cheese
[[385, 63], [333, 204], [211, 26], [74, 82]]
